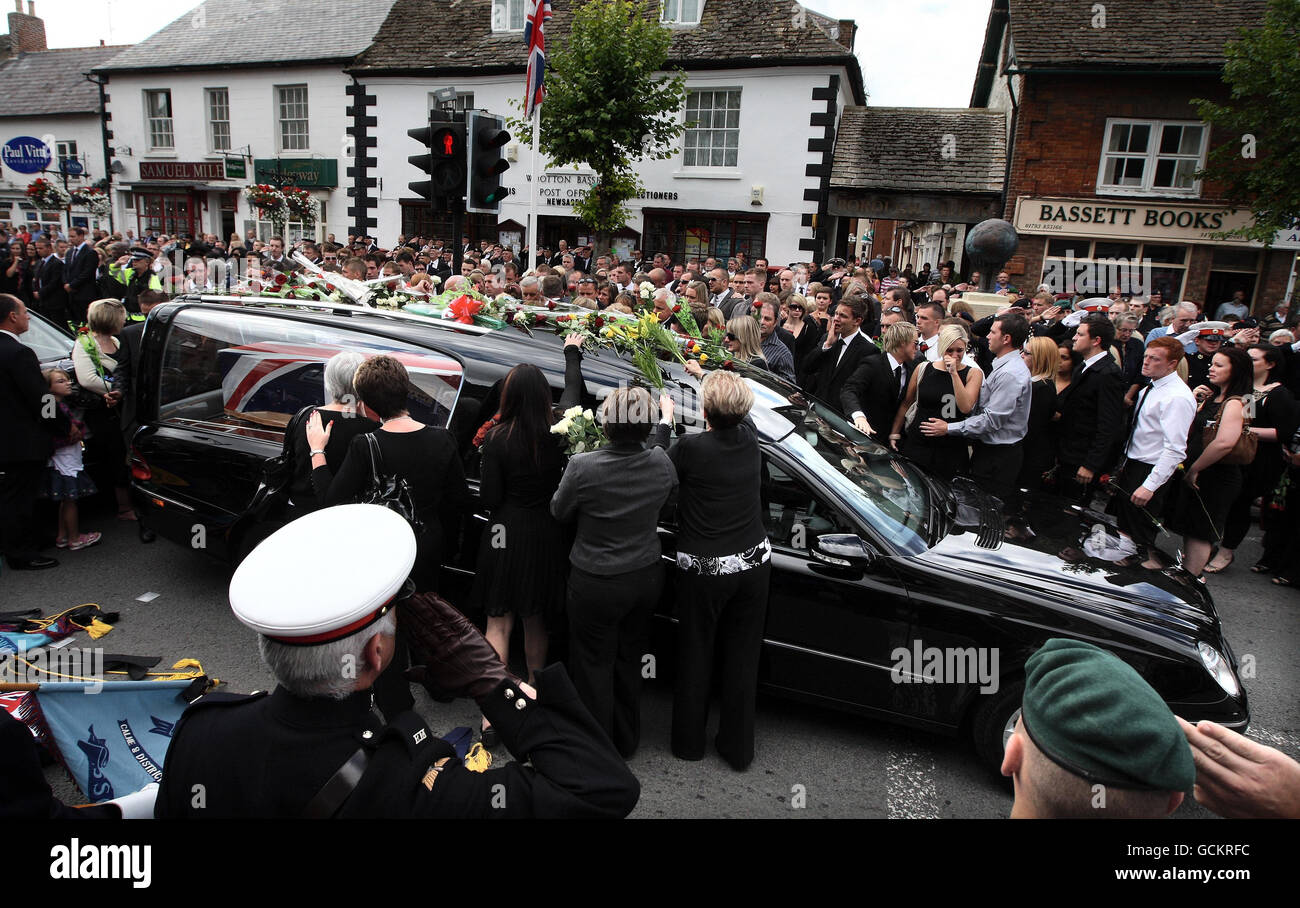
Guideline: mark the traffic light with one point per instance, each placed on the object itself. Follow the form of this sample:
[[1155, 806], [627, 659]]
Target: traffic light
[[486, 133], [445, 160]]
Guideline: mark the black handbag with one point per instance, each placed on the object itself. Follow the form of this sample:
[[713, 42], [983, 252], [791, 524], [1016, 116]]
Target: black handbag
[[392, 492], [277, 473]]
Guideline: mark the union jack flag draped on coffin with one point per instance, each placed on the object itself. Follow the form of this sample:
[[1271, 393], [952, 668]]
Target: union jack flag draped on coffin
[[539, 11], [267, 382]]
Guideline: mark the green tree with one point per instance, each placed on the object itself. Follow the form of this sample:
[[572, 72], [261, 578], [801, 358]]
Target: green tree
[[607, 107], [1258, 166]]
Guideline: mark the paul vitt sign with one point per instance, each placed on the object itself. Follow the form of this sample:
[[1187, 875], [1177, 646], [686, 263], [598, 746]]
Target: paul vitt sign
[[183, 170], [1138, 221]]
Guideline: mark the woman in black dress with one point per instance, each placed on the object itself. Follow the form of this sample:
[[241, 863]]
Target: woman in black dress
[[1208, 485], [425, 456], [807, 332], [1039, 445], [343, 415], [523, 551], [944, 389], [1274, 420]]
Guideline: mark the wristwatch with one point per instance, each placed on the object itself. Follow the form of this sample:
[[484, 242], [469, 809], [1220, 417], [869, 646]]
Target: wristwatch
[[314, 453]]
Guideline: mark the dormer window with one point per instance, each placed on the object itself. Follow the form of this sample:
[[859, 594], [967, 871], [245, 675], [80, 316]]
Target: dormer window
[[682, 12], [508, 15]]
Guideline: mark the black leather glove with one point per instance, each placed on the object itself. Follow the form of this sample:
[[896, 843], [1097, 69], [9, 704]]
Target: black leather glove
[[449, 656]]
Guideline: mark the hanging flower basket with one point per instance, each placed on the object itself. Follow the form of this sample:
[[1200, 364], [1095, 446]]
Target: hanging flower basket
[[270, 202], [301, 206], [93, 199], [48, 196]]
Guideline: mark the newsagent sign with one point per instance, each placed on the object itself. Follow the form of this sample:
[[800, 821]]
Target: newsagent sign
[[1124, 220]]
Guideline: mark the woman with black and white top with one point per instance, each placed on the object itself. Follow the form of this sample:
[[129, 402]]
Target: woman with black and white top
[[723, 571]]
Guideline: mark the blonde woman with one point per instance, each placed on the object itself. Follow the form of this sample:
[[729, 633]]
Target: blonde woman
[[1041, 356], [744, 341], [723, 572], [94, 358], [944, 389]]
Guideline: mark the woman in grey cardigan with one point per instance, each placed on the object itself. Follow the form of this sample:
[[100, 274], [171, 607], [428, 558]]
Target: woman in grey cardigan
[[615, 495]]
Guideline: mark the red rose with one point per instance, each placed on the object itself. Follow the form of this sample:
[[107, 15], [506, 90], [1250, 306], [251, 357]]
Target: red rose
[[330, 288], [729, 366], [598, 322], [539, 319], [677, 308], [550, 304], [562, 318], [281, 278], [757, 304]]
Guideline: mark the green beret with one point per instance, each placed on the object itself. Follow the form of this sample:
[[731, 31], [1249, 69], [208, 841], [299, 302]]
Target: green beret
[[1093, 715]]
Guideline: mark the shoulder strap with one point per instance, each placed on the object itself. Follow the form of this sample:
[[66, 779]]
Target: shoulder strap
[[338, 788], [291, 429], [376, 456]]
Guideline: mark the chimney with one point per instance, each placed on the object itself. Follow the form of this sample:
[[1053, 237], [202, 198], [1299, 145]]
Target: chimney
[[848, 29], [26, 30]]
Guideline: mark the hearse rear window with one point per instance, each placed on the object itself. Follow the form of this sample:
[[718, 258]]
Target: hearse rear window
[[248, 373]]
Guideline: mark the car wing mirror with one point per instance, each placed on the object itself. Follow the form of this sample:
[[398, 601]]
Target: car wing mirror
[[845, 550]]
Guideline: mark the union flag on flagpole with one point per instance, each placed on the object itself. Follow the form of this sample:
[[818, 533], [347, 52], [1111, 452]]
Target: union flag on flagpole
[[539, 11]]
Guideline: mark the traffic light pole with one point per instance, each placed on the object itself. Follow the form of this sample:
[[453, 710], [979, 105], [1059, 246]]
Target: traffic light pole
[[457, 231]]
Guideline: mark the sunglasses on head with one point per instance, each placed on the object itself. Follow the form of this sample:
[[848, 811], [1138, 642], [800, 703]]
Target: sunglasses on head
[[895, 309], [586, 280]]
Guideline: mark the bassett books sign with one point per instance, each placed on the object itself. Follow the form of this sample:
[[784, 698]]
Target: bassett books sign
[[1125, 220]]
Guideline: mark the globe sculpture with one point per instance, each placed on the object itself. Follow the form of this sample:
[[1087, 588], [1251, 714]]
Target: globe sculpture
[[988, 245]]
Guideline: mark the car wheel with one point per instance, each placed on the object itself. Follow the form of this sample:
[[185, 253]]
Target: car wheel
[[994, 721]]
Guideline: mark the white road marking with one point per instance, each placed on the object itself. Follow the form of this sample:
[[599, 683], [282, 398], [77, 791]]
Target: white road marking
[[1282, 741], [909, 787], [147, 597]]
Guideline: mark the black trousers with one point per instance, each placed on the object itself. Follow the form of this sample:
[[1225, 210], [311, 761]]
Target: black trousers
[[729, 609], [20, 480], [996, 468], [1069, 487], [609, 628], [1131, 519]]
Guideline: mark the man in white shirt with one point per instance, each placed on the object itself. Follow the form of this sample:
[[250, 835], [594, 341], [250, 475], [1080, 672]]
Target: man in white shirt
[[1156, 445]]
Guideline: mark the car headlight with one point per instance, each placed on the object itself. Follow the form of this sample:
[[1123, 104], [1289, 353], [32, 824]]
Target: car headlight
[[1219, 668]]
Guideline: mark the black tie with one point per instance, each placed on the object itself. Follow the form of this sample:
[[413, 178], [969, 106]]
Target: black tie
[[898, 382], [1132, 430]]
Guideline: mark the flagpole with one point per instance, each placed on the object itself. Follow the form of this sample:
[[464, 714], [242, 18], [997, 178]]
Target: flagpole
[[532, 204]]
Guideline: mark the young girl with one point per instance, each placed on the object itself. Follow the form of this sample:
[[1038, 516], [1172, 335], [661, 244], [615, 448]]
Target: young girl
[[65, 478]]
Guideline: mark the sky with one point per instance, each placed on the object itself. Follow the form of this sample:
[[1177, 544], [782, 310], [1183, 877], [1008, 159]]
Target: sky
[[914, 53]]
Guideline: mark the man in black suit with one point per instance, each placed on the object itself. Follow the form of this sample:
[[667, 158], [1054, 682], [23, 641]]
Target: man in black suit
[[29, 422], [875, 389], [51, 298], [80, 274], [829, 366], [1092, 411]]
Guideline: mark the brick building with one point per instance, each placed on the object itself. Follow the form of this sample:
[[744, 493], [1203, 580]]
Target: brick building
[[1104, 143]]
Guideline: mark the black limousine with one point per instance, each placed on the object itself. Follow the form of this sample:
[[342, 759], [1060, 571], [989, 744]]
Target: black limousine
[[893, 594]]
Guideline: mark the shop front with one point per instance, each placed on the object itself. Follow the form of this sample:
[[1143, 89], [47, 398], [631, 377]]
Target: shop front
[[1092, 245], [177, 197]]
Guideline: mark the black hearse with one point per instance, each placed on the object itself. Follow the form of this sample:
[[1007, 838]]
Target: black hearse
[[893, 594]]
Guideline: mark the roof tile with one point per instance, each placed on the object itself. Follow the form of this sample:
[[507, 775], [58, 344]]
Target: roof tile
[[920, 149], [1147, 33]]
